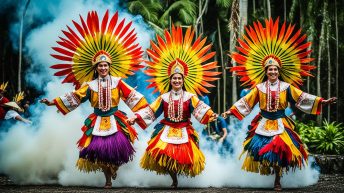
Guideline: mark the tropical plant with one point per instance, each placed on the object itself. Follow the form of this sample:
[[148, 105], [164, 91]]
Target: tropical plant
[[160, 14], [180, 12], [306, 131], [149, 9], [329, 139]]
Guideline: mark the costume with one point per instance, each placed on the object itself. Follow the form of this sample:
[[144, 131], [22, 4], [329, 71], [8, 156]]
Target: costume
[[3, 100], [271, 140], [107, 138], [173, 146]]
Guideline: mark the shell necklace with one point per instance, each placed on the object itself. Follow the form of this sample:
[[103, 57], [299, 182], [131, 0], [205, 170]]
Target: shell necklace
[[172, 114], [269, 107]]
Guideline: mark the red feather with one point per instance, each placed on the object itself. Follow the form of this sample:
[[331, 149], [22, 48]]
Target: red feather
[[61, 66], [63, 72], [105, 21], [64, 58]]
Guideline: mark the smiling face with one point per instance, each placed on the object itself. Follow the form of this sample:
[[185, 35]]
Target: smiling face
[[103, 69], [177, 81], [272, 72]]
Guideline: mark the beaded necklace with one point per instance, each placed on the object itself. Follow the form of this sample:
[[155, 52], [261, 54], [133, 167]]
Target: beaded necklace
[[171, 113], [104, 99], [269, 97]]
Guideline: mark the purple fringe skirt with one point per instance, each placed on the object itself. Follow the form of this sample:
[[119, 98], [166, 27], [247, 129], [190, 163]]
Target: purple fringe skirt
[[114, 149]]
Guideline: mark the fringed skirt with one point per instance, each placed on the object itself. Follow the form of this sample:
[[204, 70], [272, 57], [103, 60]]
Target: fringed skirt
[[285, 150], [97, 152], [185, 159]]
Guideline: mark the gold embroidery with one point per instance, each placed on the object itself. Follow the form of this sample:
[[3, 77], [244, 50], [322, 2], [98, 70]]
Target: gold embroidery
[[271, 125], [175, 133], [105, 123]]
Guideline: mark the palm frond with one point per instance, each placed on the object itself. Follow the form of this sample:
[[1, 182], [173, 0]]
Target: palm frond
[[224, 3]]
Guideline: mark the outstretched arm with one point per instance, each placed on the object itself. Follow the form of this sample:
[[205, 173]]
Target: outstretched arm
[[47, 102], [329, 101], [132, 120], [227, 114], [20, 118]]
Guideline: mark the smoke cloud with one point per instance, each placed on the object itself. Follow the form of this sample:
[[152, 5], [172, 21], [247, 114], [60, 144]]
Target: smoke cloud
[[45, 152]]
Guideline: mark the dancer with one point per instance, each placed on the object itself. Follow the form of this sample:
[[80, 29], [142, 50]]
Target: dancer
[[177, 73], [3, 100], [272, 145], [106, 52]]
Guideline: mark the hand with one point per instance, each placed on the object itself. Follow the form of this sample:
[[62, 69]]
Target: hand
[[131, 121], [214, 116], [46, 102], [221, 141], [227, 113], [330, 100]]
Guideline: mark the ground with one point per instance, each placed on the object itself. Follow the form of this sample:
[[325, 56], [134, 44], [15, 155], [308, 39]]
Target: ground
[[327, 183]]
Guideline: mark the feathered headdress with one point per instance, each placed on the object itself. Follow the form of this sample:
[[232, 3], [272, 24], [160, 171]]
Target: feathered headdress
[[3, 86], [107, 40], [175, 53], [18, 97], [269, 45]]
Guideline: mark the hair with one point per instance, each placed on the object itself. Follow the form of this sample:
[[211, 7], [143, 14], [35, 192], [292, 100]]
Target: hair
[[170, 86]]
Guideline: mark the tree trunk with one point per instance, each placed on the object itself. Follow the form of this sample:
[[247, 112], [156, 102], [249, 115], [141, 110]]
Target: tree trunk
[[321, 45], [328, 65], [268, 4], [243, 14], [222, 64], [292, 10], [285, 10], [301, 14], [201, 11], [21, 45], [310, 31], [235, 25], [20, 53], [337, 56]]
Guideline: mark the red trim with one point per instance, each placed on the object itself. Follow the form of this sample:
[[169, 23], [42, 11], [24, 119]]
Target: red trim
[[319, 109], [237, 114], [123, 87], [59, 108], [140, 121], [175, 125]]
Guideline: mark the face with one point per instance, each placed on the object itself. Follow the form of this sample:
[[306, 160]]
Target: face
[[272, 73], [177, 81], [103, 69]]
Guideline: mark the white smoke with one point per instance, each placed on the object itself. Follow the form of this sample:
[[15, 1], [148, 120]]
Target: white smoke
[[46, 152]]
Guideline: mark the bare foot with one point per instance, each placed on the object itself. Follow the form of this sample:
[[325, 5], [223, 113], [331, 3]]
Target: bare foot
[[108, 185], [174, 185], [278, 187]]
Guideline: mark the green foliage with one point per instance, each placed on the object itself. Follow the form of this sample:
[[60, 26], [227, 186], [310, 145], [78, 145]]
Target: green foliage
[[159, 14], [224, 3], [328, 139], [183, 11], [149, 9]]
